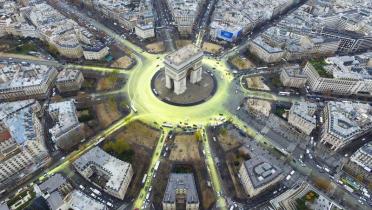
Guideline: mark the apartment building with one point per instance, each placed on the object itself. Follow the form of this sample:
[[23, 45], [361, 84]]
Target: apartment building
[[25, 81], [115, 174], [21, 139], [339, 75], [293, 76], [344, 122], [301, 116], [257, 175], [181, 190], [69, 80], [67, 131], [185, 13], [363, 157], [264, 51]]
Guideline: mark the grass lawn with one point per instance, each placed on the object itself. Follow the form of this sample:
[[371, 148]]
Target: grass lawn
[[240, 63], [319, 67], [24, 48]]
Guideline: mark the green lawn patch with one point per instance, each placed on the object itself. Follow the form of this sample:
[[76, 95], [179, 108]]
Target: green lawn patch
[[120, 149], [24, 48], [319, 67], [85, 116], [21, 195]]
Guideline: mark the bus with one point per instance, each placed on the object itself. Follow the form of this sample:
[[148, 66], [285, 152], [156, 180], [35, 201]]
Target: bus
[[144, 179], [133, 108], [99, 141], [262, 67], [284, 93], [156, 165], [167, 125]]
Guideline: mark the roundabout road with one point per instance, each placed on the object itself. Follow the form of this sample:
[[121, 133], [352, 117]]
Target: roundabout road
[[151, 109]]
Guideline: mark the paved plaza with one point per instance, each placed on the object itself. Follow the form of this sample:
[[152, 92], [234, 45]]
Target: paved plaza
[[195, 94]]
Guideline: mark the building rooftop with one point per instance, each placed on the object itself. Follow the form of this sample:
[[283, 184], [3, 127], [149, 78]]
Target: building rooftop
[[18, 117], [4, 207], [305, 111], [295, 71], [270, 49], [67, 75], [52, 183], [261, 172], [55, 200], [177, 182], [183, 55], [117, 169], [64, 114], [346, 120], [16, 76], [78, 200], [244, 14]]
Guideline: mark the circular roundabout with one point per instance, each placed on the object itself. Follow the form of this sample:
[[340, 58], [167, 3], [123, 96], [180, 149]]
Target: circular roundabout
[[152, 109]]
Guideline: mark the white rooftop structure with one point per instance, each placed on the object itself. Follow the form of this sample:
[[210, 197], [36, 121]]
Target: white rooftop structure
[[181, 183], [305, 111], [116, 171], [347, 120], [18, 118], [64, 113], [15, 76], [183, 55], [77, 200]]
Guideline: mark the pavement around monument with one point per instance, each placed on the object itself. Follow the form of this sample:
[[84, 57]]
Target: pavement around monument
[[195, 93]]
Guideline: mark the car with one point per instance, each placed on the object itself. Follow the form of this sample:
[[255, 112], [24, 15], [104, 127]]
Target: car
[[109, 204], [292, 172], [81, 187], [93, 195]]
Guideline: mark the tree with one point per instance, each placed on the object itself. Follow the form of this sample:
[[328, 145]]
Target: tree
[[322, 184], [359, 177], [223, 131], [198, 135]]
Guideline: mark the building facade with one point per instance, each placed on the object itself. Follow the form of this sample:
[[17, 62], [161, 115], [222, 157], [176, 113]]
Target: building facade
[[301, 116], [21, 138], [116, 174], [23, 82], [293, 77], [344, 122], [363, 157], [342, 86], [257, 175], [69, 80], [181, 190], [67, 131]]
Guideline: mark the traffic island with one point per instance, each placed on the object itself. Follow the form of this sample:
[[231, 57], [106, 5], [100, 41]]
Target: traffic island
[[195, 93]]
